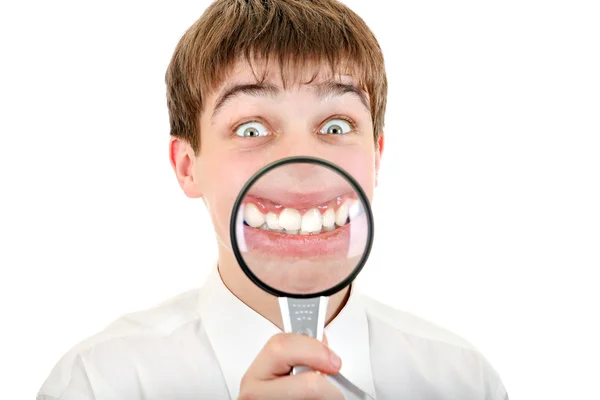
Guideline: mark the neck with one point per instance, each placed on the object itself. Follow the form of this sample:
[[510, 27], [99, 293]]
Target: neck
[[262, 302]]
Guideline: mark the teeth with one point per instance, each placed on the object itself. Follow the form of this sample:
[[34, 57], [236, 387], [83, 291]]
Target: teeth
[[273, 221], [311, 222], [290, 220], [355, 209], [341, 215], [253, 216], [329, 219]]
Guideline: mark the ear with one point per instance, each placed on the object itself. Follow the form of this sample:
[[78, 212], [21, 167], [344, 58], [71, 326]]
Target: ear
[[378, 155], [182, 158]]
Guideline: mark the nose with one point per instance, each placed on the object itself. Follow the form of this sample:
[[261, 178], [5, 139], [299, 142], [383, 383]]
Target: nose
[[300, 172], [294, 179], [304, 172], [297, 146], [297, 182]]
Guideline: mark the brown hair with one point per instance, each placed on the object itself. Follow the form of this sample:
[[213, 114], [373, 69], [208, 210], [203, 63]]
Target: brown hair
[[291, 31]]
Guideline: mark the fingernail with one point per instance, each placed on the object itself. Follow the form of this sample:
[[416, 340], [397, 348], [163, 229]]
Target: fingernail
[[336, 361]]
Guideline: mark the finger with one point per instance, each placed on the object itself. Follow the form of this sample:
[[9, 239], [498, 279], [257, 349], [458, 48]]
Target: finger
[[287, 350], [307, 385]]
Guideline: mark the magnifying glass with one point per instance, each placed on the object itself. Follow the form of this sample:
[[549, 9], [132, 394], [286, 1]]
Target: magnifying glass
[[302, 230]]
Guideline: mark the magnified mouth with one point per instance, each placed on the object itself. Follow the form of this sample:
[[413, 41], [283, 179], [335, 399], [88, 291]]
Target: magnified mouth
[[331, 232], [303, 219]]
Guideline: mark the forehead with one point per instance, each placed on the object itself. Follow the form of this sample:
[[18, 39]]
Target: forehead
[[293, 76]]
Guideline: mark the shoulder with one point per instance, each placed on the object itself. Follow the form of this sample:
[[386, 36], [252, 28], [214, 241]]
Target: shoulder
[[430, 354], [387, 317], [146, 325]]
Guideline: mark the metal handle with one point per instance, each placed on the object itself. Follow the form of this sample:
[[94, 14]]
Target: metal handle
[[304, 317]]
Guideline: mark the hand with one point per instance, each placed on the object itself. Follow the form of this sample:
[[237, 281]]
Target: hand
[[268, 377]]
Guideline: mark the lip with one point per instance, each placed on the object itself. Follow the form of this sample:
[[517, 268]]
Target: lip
[[325, 244], [301, 203], [342, 242], [304, 264]]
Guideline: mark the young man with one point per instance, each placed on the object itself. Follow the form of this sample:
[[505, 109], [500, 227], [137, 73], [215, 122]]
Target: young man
[[252, 82]]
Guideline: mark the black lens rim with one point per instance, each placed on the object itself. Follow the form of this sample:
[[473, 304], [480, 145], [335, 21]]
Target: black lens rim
[[305, 160]]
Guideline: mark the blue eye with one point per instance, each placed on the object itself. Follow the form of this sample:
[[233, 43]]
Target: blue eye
[[251, 129], [336, 127]]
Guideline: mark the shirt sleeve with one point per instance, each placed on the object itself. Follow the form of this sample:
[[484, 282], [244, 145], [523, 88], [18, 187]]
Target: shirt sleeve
[[78, 387], [495, 386], [501, 393]]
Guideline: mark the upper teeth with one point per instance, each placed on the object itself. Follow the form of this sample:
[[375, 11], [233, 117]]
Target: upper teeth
[[341, 215], [311, 221], [272, 221], [291, 221], [329, 219], [354, 210], [253, 216]]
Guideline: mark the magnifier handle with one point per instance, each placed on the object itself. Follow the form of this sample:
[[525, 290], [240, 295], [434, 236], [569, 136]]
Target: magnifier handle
[[304, 317]]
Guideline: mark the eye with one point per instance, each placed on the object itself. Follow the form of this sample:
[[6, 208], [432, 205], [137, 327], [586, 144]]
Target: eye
[[251, 129], [336, 127]]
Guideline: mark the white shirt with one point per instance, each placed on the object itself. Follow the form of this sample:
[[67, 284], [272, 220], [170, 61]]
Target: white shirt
[[199, 344]]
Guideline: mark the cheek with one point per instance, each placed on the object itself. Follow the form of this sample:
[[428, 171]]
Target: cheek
[[361, 167], [222, 177], [221, 180]]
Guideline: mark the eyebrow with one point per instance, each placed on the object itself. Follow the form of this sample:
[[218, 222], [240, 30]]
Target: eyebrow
[[327, 89], [330, 89]]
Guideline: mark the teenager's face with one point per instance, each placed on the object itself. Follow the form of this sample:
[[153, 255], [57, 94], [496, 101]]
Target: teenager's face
[[246, 125]]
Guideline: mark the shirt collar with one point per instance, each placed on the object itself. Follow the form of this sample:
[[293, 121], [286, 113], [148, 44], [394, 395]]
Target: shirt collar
[[237, 334]]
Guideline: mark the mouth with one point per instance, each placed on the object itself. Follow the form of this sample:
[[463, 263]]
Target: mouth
[[316, 219], [324, 231], [303, 247]]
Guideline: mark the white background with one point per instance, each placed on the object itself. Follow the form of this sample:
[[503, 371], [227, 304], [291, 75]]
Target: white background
[[488, 218]]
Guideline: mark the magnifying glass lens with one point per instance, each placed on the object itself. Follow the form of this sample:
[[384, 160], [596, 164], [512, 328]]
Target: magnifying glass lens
[[301, 228]]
